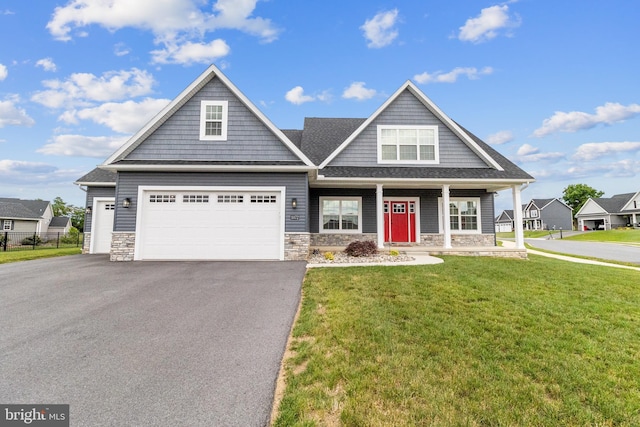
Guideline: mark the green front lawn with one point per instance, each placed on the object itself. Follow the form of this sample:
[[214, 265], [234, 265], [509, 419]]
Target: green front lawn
[[473, 341], [25, 255], [620, 235]]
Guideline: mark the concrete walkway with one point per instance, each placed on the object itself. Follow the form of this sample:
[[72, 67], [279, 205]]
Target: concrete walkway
[[510, 244], [418, 259]]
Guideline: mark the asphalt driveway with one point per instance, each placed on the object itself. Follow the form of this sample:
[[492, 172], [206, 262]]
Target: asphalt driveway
[[146, 343]]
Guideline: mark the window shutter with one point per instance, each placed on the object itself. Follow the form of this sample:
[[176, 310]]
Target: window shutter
[[12, 224]]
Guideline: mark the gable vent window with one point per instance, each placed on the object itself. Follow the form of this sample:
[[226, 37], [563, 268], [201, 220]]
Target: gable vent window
[[408, 144], [213, 120], [263, 199], [195, 198], [230, 198], [162, 198]]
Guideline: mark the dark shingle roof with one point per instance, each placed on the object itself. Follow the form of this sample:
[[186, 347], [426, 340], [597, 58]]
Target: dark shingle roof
[[321, 136], [294, 136], [505, 216], [615, 203], [417, 173], [541, 203], [23, 209], [98, 175], [59, 221]]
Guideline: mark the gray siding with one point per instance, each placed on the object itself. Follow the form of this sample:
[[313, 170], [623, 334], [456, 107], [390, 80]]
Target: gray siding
[[296, 186], [428, 206], [558, 215], [248, 139], [96, 192], [406, 109]]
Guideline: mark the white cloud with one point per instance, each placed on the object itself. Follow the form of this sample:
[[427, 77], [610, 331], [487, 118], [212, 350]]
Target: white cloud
[[121, 49], [358, 91], [81, 89], [500, 138], [3, 72], [596, 150], [173, 22], [472, 73], [12, 115], [530, 154], [486, 25], [573, 121], [189, 53], [125, 117], [83, 146], [379, 30], [16, 167], [296, 96], [47, 64], [622, 169]]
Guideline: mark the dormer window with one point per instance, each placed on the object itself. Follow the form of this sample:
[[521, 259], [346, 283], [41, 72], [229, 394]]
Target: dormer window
[[408, 144], [213, 120]]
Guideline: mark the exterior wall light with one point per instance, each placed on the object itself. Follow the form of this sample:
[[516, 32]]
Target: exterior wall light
[[126, 203], [294, 203], [88, 210]]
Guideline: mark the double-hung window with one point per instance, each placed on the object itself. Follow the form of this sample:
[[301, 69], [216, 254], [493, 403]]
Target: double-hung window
[[6, 225], [213, 120], [464, 215], [408, 144], [341, 214]]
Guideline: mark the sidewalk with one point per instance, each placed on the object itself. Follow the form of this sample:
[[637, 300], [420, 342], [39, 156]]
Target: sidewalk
[[510, 244]]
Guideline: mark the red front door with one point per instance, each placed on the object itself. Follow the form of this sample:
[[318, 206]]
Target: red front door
[[399, 221]]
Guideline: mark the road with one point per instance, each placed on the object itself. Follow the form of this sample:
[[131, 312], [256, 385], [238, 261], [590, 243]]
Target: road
[[608, 251]]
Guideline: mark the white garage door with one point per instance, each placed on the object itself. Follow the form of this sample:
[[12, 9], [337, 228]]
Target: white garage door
[[102, 225], [210, 225]]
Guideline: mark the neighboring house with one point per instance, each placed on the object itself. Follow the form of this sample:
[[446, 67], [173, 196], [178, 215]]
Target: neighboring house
[[504, 221], [28, 216], [210, 177], [60, 224], [547, 214], [606, 213]]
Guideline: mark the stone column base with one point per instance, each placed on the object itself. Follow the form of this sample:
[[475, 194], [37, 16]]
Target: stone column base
[[122, 246], [296, 246]]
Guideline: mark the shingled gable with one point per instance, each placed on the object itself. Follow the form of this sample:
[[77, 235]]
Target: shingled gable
[[450, 124], [119, 160]]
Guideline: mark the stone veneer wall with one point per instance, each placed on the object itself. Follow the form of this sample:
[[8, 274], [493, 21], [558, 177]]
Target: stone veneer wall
[[322, 239], [122, 246], [458, 240], [86, 243], [296, 246]]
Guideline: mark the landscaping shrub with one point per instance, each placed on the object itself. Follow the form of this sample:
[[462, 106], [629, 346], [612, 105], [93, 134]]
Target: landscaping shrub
[[361, 248], [29, 240], [328, 256], [71, 237]]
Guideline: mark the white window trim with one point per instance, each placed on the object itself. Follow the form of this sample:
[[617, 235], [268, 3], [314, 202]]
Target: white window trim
[[203, 122], [436, 145], [340, 198], [6, 225], [461, 199]]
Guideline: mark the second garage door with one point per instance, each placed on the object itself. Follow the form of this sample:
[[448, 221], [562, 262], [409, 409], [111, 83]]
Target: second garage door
[[210, 225]]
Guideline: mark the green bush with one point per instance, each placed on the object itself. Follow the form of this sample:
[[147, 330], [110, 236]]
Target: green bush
[[30, 241], [361, 248], [71, 237]]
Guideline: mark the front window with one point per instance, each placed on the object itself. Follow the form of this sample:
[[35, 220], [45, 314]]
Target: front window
[[6, 224], [534, 214], [213, 120], [464, 215], [340, 215], [408, 144]]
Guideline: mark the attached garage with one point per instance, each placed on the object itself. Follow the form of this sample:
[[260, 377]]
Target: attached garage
[[229, 223]]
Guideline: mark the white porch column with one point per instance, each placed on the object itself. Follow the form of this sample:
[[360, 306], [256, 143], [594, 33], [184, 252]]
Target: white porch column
[[634, 220], [517, 216], [380, 216], [446, 217]]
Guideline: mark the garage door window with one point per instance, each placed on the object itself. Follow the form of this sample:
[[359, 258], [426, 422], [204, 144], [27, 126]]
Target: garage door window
[[263, 199], [195, 198], [162, 198], [230, 198]]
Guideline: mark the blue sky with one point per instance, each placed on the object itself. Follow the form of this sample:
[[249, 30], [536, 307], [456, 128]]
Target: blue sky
[[552, 85]]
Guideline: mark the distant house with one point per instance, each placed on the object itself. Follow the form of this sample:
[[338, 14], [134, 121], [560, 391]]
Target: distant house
[[504, 221], [547, 214], [606, 213], [17, 215], [538, 214], [60, 224]]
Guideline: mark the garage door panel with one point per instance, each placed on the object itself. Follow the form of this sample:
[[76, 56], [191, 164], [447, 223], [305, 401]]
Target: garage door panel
[[211, 225]]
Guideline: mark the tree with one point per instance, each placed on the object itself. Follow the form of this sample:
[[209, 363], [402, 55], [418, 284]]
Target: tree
[[77, 217], [576, 195], [60, 208]]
